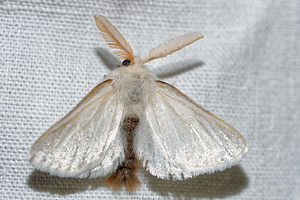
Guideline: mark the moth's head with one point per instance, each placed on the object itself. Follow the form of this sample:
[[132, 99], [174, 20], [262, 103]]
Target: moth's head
[[136, 62], [126, 63]]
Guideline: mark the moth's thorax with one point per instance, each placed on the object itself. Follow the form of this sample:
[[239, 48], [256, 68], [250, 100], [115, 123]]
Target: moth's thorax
[[135, 86]]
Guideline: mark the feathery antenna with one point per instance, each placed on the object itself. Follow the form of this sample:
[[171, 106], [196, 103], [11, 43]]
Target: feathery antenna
[[171, 46], [114, 39]]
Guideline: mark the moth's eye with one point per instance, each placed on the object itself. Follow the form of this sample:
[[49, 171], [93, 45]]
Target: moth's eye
[[126, 62]]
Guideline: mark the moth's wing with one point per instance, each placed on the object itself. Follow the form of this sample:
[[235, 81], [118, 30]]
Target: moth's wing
[[178, 139], [87, 141]]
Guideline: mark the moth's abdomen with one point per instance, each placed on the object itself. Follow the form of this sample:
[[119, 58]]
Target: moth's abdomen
[[125, 174]]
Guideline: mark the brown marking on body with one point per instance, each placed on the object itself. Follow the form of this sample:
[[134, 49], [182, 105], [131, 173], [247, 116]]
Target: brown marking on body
[[125, 174]]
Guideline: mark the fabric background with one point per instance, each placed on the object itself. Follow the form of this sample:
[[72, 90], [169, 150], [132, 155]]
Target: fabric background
[[246, 70]]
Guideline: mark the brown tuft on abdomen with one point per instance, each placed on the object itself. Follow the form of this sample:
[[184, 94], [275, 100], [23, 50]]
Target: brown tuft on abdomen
[[125, 174]]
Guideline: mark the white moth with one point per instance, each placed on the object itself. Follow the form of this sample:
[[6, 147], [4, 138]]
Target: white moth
[[133, 116]]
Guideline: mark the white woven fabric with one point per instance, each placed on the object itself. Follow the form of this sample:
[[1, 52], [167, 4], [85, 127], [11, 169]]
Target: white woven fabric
[[246, 70]]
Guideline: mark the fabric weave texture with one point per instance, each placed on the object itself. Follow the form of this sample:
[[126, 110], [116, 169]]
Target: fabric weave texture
[[246, 71]]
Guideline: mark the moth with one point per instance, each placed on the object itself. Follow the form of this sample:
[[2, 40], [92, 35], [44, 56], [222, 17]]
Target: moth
[[132, 116]]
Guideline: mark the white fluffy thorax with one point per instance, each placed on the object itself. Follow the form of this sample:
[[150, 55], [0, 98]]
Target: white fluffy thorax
[[135, 86]]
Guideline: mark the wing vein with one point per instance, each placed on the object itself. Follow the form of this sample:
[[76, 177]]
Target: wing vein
[[208, 119], [106, 139], [77, 114], [82, 128], [160, 132], [187, 125], [110, 126], [215, 137]]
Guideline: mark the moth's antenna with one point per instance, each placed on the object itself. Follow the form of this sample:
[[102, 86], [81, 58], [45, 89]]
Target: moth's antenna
[[171, 46], [114, 39]]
